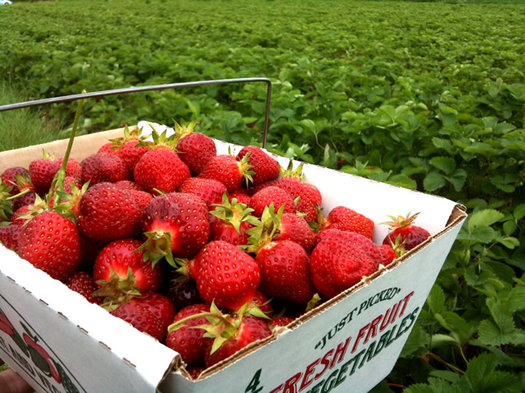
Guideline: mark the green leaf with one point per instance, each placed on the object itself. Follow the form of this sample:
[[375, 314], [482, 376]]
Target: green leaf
[[403, 181], [457, 179], [516, 300], [433, 181], [484, 218], [458, 326], [519, 212], [444, 164], [436, 299]]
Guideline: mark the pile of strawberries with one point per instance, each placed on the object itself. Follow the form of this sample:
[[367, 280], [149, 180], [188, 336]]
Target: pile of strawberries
[[206, 252]]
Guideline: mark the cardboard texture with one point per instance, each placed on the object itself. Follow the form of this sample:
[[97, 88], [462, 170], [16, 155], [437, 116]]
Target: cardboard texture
[[62, 343]]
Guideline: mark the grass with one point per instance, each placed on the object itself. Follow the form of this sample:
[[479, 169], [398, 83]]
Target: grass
[[24, 127]]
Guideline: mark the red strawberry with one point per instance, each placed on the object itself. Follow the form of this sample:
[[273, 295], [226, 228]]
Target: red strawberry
[[211, 191], [182, 290], [241, 197], [403, 232], [294, 227], [229, 221], [176, 225], [285, 271], [194, 148], [388, 254], [84, 284], [24, 200], [160, 169], [103, 167], [108, 213], [228, 170], [141, 317], [271, 195], [259, 306], [73, 167], [247, 331], [51, 243], [226, 275], [280, 321], [337, 264], [42, 171], [11, 177], [188, 340], [141, 198], [119, 267], [162, 307], [128, 185], [131, 152], [9, 236], [346, 219], [264, 166]]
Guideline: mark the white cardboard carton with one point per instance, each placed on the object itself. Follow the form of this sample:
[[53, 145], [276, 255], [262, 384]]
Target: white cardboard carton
[[61, 343]]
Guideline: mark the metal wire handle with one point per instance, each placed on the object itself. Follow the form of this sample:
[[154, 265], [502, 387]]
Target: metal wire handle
[[138, 89]]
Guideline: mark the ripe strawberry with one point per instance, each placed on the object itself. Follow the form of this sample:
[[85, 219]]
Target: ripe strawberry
[[210, 190], [194, 148], [73, 167], [308, 198], [354, 238], [236, 335], [285, 271], [228, 170], [120, 268], [264, 166], [271, 195], [188, 340], [24, 200], [294, 227], [346, 219], [131, 152], [175, 225], [388, 254], [128, 185], [84, 284], [51, 243], [241, 197], [141, 317], [11, 177], [160, 169], [162, 307], [229, 221], [337, 264], [108, 213], [405, 233], [141, 198], [259, 306], [42, 171], [226, 275], [9, 236], [280, 321], [103, 167]]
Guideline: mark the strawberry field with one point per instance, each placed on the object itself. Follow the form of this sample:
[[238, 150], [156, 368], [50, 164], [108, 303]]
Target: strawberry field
[[428, 96]]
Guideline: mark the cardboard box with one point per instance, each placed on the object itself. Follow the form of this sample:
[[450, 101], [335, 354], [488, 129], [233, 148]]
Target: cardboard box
[[61, 343]]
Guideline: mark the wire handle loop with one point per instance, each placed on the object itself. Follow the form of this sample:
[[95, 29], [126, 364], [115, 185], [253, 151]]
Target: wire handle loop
[[138, 89]]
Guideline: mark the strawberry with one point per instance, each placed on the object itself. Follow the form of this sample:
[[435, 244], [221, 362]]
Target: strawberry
[[103, 167], [120, 268], [294, 227], [307, 196], [228, 170], [210, 190], [388, 254], [42, 171], [141, 317], [346, 219], [162, 307], [226, 334], [337, 264], [229, 221], [24, 200], [361, 241], [51, 243], [160, 169], [235, 336], [264, 166], [108, 213], [11, 177], [285, 271], [128, 185], [240, 196], [9, 236], [194, 148], [141, 198], [73, 167], [403, 232], [279, 321], [181, 289], [226, 275], [188, 340], [175, 225], [84, 284], [131, 152], [271, 195]]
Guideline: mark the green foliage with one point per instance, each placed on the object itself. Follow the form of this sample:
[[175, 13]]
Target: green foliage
[[429, 96]]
